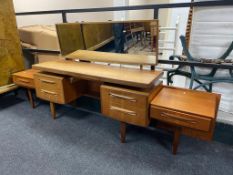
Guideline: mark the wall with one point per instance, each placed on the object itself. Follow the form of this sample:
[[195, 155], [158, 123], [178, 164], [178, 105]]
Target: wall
[[139, 14], [148, 14], [120, 15], [43, 5], [179, 15]]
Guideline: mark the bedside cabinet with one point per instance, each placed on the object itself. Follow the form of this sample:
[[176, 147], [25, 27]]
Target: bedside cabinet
[[185, 111]]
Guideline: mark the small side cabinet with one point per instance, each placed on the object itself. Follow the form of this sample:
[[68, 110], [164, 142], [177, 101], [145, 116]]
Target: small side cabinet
[[188, 112]]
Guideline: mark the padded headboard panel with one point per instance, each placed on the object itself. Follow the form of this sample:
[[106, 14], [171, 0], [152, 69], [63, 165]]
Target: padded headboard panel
[[97, 35], [70, 37]]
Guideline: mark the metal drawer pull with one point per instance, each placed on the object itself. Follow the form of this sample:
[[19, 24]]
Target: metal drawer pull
[[163, 114], [23, 81], [49, 92], [47, 81], [123, 97], [132, 113]]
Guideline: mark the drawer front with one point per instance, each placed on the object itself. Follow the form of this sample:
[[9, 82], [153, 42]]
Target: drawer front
[[181, 119], [51, 96], [25, 82], [49, 83], [121, 105], [126, 100], [49, 88]]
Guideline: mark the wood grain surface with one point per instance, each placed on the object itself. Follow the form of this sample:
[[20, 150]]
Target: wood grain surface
[[113, 57], [117, 75], [189, 101]]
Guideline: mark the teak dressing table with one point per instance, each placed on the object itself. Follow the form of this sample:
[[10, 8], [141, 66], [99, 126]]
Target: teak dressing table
[[131, 96], [122, 90], [89, 78]]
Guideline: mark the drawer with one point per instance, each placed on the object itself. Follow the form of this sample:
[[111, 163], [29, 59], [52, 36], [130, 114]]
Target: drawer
[[180, 119], [127, 100], [48, 82], [49, 87], [129, 116], [125, 105], [25, 82], [52, 96]]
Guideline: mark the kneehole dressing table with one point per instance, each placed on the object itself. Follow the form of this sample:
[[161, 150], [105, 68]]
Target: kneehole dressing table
[[131, 96]]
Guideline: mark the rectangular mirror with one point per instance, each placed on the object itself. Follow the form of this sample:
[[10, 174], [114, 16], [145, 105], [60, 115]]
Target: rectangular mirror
[[138, 37]]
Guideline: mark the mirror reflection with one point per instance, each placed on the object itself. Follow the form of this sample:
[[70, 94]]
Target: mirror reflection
[[133, 37]]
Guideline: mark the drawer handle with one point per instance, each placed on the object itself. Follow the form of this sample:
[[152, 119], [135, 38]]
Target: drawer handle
[[48, 92], [167, 115], [47, 81], [123, 97], [23, 81], [132, 113]]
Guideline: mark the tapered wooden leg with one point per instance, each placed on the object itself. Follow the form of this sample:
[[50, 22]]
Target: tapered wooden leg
[[176, 139], [30, 98], [123, 131], [53, 110]]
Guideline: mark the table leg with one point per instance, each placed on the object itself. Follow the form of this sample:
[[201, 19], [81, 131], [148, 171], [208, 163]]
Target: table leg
[[53, 110], [176, 139], [30, 98], [123, 131]]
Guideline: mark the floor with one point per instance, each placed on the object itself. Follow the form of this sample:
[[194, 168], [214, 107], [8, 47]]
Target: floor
[[225, 117], [80, 142]]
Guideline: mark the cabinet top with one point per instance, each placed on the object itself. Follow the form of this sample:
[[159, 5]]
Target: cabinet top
[[188, 101]]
